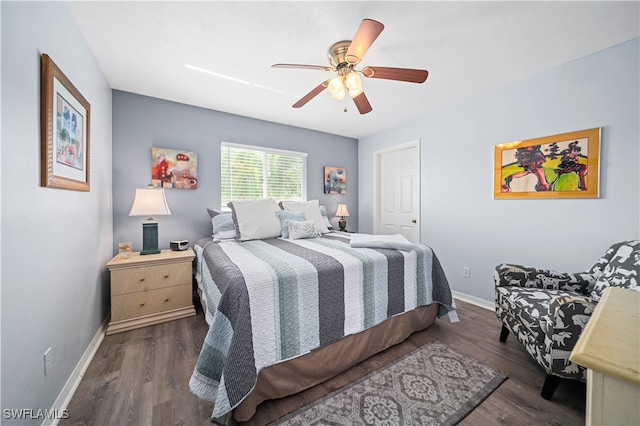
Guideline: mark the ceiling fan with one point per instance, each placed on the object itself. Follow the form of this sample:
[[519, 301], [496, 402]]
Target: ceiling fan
[[343, 57]]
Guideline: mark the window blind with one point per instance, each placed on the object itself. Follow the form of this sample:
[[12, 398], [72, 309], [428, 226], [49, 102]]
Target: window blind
[[251, 172]]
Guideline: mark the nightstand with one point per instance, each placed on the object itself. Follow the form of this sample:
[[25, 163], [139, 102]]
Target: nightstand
[[609, 346], [150, 289]]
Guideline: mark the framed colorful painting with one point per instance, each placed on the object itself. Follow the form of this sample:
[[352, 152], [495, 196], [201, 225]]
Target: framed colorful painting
[[335, 180], [64, 131], [560, 166], [174, 168]]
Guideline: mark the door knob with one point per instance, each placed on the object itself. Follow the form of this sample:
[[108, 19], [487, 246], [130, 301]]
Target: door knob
[[414, 221]]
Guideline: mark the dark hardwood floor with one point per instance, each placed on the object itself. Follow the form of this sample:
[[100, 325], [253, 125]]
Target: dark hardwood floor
[[141, 377]]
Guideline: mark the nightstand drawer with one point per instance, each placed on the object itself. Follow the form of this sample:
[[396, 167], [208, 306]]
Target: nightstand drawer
[[150, 302], [134, 280]]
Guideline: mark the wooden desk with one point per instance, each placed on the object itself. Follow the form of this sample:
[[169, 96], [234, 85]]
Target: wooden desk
[[610, 349]]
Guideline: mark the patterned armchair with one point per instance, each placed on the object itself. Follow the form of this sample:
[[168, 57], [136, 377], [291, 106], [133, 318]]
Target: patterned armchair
[[547, 310]]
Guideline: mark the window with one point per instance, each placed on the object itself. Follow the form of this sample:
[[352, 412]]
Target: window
[[252, 172]]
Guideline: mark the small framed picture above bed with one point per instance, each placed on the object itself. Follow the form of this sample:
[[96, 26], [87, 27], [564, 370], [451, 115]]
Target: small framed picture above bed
[[174, 168], [335, 180]]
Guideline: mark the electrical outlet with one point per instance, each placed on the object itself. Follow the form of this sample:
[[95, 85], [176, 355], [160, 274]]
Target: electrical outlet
[[48, 363], [466, 272]]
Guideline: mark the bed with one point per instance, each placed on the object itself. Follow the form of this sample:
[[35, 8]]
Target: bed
[[287, 314]]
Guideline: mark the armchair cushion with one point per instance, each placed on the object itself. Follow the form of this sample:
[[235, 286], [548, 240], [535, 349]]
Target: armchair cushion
[[545, 279], [621, 268]]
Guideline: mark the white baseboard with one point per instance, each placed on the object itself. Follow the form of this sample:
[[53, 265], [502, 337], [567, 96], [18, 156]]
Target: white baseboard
[[474, 300], [62, 401]]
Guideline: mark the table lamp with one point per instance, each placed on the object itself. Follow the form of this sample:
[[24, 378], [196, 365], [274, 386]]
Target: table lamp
[[149, 202], [342, 212]]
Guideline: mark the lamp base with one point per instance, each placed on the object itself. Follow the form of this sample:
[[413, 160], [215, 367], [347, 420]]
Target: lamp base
[[143, 252], [149, 238], [342, 223]]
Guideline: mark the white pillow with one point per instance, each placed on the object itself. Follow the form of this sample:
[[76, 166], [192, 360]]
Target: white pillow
[[256, 219], [311, 211], [299, 229], [325, 219]]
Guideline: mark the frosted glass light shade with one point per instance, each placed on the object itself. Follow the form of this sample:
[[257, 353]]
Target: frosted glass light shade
[[336, 88], [339, 94], [352, 81], [336, 83]]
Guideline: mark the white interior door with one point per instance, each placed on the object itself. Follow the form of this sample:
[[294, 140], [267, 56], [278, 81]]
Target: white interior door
[[399, 192]]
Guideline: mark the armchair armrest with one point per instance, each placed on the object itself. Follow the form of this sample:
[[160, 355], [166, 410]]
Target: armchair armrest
[[568, 316], [507, 274]]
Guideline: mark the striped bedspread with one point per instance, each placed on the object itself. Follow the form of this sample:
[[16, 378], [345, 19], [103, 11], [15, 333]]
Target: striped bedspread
[[277, 299]]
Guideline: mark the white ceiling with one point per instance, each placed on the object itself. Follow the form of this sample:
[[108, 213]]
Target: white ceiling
[[469, 48]]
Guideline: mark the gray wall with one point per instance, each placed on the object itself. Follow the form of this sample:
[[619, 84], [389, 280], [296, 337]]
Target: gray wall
[[461, 220], [140, 123], [55, 243]]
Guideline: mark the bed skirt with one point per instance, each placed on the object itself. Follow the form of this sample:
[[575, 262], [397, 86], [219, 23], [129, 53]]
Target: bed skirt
[[298, 374]]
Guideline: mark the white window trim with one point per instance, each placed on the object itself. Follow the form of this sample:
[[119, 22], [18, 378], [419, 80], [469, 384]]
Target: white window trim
[[265, 149]]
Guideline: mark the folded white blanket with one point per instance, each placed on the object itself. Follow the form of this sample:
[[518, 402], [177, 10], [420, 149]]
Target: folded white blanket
[[395, 241]]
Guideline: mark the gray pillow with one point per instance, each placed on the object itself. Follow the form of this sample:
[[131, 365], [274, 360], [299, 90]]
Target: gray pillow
[[222, 222], [213, 213]]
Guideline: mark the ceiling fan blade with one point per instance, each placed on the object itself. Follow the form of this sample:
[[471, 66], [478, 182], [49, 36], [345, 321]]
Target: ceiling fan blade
[[362, 103], [312, 94], [367, 33], [399, 74], [304, 67]]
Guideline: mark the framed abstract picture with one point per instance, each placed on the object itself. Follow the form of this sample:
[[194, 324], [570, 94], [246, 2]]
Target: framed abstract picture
[[560, 166], [64, 131], [335, 180], [174, 168]]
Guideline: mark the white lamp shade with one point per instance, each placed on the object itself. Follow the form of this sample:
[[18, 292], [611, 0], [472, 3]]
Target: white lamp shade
[[149, 202], [342, 210]]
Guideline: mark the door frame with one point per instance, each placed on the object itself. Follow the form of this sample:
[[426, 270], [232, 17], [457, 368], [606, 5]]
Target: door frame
[[377, 184]]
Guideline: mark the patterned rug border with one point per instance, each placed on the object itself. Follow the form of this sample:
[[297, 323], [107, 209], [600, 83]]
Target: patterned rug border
[[466, 409]]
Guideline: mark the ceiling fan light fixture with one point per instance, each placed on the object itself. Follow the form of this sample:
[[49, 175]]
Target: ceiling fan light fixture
[[336, 87], [352, 81], [336, 83], [354, 84], [339, 94], [343, 57]]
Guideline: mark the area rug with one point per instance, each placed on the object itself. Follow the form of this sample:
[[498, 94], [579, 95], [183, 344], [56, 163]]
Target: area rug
[[433, 385]]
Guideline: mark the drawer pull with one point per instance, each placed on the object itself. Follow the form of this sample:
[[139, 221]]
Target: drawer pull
[[166, 276], [166, 299], [141, 279], [142, 304]]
